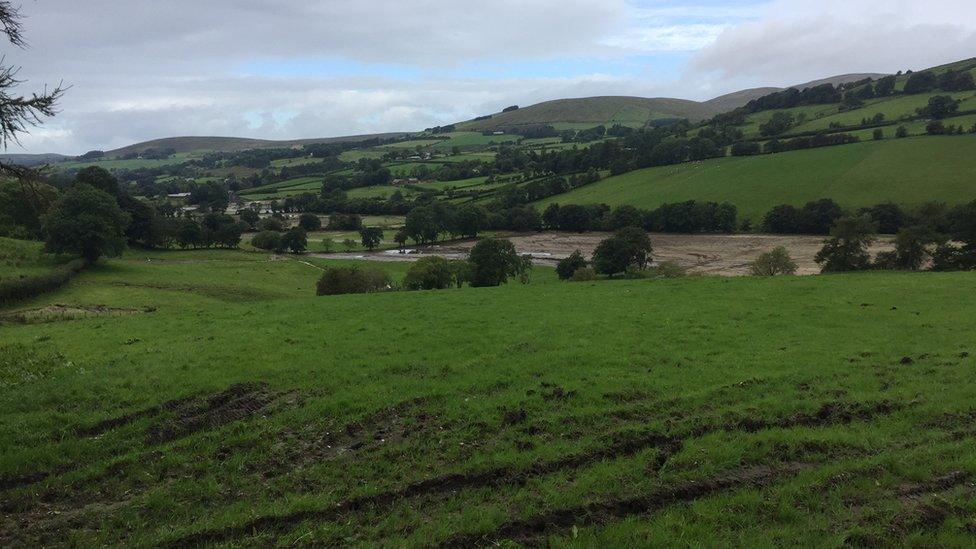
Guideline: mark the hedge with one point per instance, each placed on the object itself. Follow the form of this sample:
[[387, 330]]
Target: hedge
[[17, 289]]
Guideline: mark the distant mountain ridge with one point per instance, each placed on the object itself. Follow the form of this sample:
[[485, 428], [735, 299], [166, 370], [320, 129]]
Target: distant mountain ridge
[[609, 110], [634, 111]]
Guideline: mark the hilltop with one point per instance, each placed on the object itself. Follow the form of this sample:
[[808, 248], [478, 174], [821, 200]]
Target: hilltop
[[632, 111], [233, 144]]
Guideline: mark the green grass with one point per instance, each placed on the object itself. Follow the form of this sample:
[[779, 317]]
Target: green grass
[[906, 171], [19, 258], [131, 164], [700, 411]]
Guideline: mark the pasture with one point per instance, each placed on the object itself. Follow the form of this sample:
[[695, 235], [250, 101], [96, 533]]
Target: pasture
[[905, 171], [232, 407]]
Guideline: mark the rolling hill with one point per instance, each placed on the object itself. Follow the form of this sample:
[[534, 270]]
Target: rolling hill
[[856, 175], [231, 144], [631, 111]]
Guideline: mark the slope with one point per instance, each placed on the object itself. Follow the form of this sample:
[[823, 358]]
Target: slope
[[906, 171], [231, 144]]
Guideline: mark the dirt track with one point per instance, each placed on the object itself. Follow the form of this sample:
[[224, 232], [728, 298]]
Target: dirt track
[[723, 255]]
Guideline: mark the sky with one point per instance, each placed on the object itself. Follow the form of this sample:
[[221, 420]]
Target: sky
[[286, 69]]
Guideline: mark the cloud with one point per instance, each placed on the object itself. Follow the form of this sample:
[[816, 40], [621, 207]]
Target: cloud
[[284, 70], [799, 40]]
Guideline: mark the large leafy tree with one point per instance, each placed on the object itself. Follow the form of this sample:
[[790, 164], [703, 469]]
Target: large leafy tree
[[494, 261], [87, 222], [847, 249], [628, 247]]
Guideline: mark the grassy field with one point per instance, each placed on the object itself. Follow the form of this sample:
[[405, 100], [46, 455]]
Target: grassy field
[[233, 407], [905, 171], [20, 258]]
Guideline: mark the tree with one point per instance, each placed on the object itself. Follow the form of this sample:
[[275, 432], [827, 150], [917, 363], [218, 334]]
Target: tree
[[921, 82], [628, 247], [625, 216], [271, 224], [912, 247], [778, 124], [87, 222], [846, 250], [885, 86], [266, 240], [901, 132], [401, 238], [939, 107], [550, 217], [249, 217], [429, 273], [371, 237], [773, 263], [99, 178], [818, 216], [494, 261], [470, 220], [294, 240], [18, 113], [878, 134], [783, 219], [309, 222], [21, 208], [350, 244], [422, 225], [567, 267]]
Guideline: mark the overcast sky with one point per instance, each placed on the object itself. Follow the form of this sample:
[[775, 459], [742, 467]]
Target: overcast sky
[[143, 69]]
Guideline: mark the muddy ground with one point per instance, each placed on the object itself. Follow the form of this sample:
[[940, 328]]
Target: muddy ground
[[722, 255]]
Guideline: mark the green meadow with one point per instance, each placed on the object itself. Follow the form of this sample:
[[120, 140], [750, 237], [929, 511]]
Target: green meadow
[[211, 399], [905, 171]]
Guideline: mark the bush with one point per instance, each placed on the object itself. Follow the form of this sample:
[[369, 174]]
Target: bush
[[668, 269], [586, 274], [430, 273], [266, 240], [776, 262], [566, 268], [16, 289], [352, 280]]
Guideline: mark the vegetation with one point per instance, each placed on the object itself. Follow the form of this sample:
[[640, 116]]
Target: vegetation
[[773, 263], [352, 280], [494, 261], [628, 248]]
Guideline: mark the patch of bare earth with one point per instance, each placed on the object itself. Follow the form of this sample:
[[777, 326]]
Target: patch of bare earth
[[721, 255]]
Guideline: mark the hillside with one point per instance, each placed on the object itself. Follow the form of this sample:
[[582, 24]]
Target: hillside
[[630, 111], [32, 159], [231, 144], [907, 171], [205, 398]]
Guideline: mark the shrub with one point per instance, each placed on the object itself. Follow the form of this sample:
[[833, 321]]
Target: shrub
[[16, 289], [352, 280], [776, 262], [566, 268], [668, 269], [586, 274], [371, 237], [430, 273], [345, 222], [266, 240]]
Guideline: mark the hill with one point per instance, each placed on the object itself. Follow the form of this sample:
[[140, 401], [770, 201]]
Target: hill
[[630, 111], [231, 144], [905, 171], [31, 160]]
